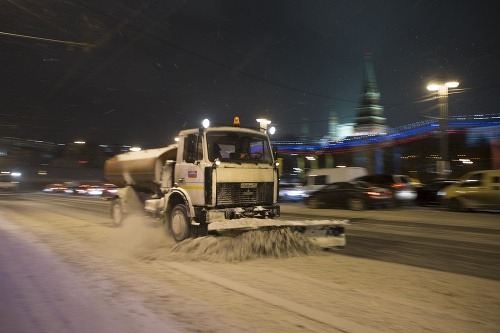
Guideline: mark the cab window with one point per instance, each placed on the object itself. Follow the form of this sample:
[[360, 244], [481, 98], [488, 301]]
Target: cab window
[[240, 147]]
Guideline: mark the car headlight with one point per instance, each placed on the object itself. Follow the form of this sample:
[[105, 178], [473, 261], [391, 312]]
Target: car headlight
[[441, 193]]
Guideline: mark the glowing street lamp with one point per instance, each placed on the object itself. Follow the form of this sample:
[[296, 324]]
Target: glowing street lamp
[[437, 87], [443, 165], [263, 123], [205, 123]]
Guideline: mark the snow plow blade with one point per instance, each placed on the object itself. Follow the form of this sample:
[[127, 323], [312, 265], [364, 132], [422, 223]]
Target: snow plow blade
[[326, 234]]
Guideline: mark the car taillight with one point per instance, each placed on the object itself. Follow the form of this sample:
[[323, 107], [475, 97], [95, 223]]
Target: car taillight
[[398, 185], [373, 194]]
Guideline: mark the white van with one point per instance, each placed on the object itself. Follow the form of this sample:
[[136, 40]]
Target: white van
[[476, 190], [319, 178]]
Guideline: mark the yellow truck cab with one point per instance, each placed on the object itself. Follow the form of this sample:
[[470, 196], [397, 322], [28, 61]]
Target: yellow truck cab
[[476, 190]]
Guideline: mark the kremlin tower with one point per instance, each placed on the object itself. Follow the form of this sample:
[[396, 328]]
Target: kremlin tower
[[370, 119]]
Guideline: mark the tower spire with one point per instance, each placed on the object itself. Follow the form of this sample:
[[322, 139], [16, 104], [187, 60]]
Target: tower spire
[[370, 119]]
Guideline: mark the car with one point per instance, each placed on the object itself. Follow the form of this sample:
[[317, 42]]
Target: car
[[357, 195], [318, 178], [95, 190], [106, 189], [81, 189], [9, 181], [402, 186], [109, 190], [476, 190], [70, 186], [291, 192], [55, 188], [430, 193]]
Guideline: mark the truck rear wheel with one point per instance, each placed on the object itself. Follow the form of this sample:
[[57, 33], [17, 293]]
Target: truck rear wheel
[[180, 225]]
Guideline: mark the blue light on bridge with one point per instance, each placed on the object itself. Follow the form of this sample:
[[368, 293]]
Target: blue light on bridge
[[410, 132]]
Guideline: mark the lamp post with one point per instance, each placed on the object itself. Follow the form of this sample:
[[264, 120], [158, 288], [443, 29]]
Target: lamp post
[[443, 165]]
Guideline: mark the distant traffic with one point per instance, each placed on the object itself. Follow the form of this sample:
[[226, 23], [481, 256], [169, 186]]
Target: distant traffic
[[478, 190], [90, 189]]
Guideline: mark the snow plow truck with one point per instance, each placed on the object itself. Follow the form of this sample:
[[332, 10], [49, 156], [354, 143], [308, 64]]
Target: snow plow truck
[[218, 180]]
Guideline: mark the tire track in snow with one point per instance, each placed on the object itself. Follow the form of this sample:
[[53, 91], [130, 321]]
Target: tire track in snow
[[341, 324]]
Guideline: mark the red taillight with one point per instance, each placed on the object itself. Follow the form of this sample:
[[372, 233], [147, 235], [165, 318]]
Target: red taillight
[[398, 185], [373, 194]]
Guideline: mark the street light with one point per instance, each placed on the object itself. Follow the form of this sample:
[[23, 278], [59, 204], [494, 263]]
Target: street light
[[443, 165], [263, 123]]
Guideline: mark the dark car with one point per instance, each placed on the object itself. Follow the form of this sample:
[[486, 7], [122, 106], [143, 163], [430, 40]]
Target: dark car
[[353, 195], [402, 186], [431, 194]]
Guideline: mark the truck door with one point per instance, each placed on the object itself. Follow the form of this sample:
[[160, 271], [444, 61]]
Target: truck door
[[190, 170]]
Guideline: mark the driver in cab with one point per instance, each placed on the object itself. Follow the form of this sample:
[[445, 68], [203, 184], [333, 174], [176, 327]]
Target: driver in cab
[[243, 148]]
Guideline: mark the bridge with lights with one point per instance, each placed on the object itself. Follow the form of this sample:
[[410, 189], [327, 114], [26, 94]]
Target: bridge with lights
[[395, 151], [488, 125]]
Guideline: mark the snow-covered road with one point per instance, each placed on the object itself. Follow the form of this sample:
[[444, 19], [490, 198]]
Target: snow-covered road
[[38, 293], [70, 271]]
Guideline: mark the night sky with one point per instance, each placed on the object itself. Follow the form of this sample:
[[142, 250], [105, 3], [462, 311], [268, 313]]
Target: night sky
[[156, 67]]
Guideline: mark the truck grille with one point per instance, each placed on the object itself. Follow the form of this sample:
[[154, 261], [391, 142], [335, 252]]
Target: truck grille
[[245, 194]]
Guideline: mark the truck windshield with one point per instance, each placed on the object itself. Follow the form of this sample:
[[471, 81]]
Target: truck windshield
[[238, 147]]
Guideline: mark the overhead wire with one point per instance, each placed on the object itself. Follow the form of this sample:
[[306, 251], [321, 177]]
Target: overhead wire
[[216, 63], [389, 106], [135, 28]]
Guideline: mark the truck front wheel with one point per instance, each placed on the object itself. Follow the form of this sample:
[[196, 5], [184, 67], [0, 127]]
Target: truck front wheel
[[179, 223]]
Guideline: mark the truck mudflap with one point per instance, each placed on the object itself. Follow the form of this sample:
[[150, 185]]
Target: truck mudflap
[[326, 234]]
